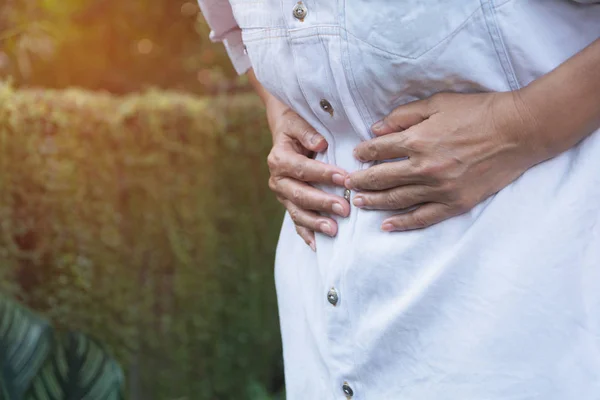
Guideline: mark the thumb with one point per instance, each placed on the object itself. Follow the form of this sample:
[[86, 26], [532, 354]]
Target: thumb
[[403, 117], [308, 137]]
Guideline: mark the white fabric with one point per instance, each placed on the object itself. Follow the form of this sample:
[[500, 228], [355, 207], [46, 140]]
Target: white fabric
[[219, 16], [502, 303]]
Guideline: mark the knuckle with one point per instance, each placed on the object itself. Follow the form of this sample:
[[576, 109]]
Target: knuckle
[[325, 175], [419, 221], [295, 215], [462, 203], [297, 196], [272, 184], [305, 134], [414, 143], [373, 179], [299, 171], [392, 199], [371, 150], [432, 170], [273, 160], [448, 191]]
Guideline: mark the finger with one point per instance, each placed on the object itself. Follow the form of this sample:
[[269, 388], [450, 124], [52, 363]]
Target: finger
[[395, 199], [402, 118], [422, 217], [309, 198], [383, 148], [384, 176], [294, 165], [308, 236], [297, 128], [311, 220]]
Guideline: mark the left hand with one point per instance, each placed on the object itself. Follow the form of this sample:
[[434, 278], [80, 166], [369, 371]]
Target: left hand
[[460, 149]]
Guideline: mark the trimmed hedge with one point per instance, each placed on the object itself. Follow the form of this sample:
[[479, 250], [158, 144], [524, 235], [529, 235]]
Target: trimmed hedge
[[146, 221]]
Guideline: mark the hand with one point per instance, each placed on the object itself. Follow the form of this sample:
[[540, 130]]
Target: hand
[[460, 149], [292, 169]]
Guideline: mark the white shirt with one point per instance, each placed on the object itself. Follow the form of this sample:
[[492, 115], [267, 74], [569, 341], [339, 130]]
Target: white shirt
[[501, 303]]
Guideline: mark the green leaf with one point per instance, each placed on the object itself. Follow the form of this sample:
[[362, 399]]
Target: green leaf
[[40, 364], [25, 343]]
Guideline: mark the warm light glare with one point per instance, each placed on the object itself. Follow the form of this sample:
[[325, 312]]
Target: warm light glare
[[189, 9], [145, 46]]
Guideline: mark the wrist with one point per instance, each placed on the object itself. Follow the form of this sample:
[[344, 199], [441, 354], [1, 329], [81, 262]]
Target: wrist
[[530, 127], [518, 124], [562, 106], [543, 122]]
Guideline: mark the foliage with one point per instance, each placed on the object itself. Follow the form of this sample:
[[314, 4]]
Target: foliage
[[114, 45], [146, 220], [40, 363]]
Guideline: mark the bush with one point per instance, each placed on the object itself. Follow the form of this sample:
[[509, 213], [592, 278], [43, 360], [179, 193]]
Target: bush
[[146, 221]]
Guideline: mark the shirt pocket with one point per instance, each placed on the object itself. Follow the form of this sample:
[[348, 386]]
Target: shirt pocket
[[263, 34], [255, 14], [408, 28]]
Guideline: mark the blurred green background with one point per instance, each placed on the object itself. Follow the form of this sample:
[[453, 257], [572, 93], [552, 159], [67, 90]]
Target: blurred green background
[[133, 194]]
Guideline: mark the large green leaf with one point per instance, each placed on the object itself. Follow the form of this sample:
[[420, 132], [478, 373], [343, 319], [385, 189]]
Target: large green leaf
[[38, 363], [25, 344]]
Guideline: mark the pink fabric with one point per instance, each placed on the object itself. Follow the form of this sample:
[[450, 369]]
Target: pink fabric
[[225, 29]]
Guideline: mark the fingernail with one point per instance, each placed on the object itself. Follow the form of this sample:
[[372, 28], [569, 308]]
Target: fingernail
[[347, 183], [315, 139], [359, 202], [377, 125], [338, 179], [338, 209], [388, 227], [313, 246], [326, 229]]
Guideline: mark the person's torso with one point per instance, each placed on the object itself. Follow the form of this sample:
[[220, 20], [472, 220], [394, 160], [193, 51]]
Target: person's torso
[[502, 302]]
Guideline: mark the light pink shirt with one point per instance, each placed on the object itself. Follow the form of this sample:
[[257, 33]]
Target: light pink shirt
[[225, 29]]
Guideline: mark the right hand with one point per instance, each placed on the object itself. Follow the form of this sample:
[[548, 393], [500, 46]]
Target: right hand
[[292, 170]]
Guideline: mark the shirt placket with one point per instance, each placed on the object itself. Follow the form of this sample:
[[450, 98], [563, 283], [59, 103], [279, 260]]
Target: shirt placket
[[314, 37]]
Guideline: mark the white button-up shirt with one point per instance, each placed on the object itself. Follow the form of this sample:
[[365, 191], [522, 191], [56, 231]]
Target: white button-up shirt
[[500, 303]]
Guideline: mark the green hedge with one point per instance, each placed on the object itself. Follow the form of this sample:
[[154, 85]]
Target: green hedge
[[146, 221]]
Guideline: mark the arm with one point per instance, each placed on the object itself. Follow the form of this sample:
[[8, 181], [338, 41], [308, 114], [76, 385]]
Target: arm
[[292, 170], [564, 104], [462, 148]]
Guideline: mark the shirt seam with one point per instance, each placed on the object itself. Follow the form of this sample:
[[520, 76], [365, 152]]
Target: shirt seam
[[499, 45]]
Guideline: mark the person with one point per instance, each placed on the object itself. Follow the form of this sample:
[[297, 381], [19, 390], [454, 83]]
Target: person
[[440, 162]]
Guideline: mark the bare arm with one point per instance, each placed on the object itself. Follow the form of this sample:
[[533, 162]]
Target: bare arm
[[460, 149], [258, 88], [564, 104]]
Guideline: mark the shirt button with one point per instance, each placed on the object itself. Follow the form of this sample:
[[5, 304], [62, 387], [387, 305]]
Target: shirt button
[[347, 195], [300, 11], [326, 106], [347, 390], [332, 296]]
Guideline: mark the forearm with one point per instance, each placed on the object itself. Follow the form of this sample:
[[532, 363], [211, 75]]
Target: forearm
[[264, 95], [565, 103], [275, 108]]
